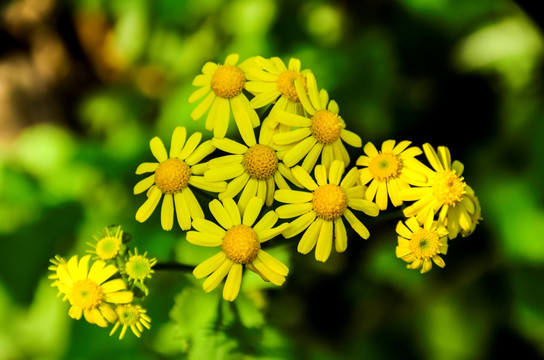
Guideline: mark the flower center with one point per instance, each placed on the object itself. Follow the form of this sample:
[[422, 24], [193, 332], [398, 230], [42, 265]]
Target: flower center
[[260, 162], [108, 247], [86, 294], [228, 81], [138, 267], [286, 84], [241, 244], [385, 166], [448, 187], [172, 175], [330, 201], [326, 127], [128, 314], [424, 244]]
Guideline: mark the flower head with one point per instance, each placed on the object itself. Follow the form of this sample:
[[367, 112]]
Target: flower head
[[274, 83], [445, 193], [89, 291], [139, 267], [421, 246], [389, 170], [108, 245], [172, 177], [133, 317], [240, 238], [222, 87], [320, 211], [321, 134], [252, 170]]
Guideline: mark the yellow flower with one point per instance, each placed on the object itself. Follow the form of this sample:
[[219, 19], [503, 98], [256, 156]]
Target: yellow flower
[[222, 87], [421, 246], [139, 267], [108, 246], [475, 217], [321, 134], [445, 191], [274, 83], [389, 170], [320, 211], [171, 177], [89, 291], [255, 169], [240, 240], [133, 316]]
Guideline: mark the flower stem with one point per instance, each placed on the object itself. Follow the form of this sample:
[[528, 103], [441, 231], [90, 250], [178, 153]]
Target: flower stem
[[173, 266]]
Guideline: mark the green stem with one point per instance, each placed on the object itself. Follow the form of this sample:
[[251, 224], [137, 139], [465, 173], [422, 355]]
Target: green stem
[[173, 266]]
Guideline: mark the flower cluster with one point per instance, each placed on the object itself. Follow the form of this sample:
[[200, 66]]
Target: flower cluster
[[106, 287]]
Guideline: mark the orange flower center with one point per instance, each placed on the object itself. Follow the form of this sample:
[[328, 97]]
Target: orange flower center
[[448, 187], [260, 162], [326, 127], [286, 84], [385, 166], [330, 201], [241, 244], [172, 175], [86, 294], [228, 81]]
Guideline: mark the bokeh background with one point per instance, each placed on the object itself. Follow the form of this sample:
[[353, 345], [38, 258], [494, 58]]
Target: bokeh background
[[85, 84]]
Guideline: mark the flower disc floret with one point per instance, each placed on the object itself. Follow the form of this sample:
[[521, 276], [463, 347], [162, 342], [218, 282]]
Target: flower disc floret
[[260, 162], [286, 84], [448, 187], [241, 244], [385, 166], [329, 201], [326, 127], [425, 244], [108, 247], [172, 175], [138, 267], [228, 81], [86, 294]]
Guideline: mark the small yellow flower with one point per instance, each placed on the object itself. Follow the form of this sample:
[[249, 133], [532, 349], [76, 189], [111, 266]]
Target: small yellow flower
[[89, 291], [322, 134], [240, 239], [445, 194], [274, 83], [133, 317], [139, 267], [255, 169], [389, 170], [222, 87], [171, 177], [108, 246], [320, 211], [421, 246]]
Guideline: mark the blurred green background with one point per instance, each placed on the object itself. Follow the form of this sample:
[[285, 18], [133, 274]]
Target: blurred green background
[[85, 84]]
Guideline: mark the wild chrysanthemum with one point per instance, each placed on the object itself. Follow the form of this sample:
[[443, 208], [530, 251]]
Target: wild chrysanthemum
[[222, 87], [108, 246], [240, 240], [274, 83], [255, 169], [139, 267], [89, 291], [321, 134], [172, 176], [320, 210], [133, 317], [421, 246], [445, 193], [390, 170]]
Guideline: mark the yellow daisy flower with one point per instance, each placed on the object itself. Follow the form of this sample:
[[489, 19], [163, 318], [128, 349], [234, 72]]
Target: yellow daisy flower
[[321, 134], [445, 191], [389, 170], [139, 267], [108, 246], [274, 83], [222, 87], [255, 169], [421, 246], [240, 240], [320, 211], [133, 317], [89, 291], [171, 177]]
